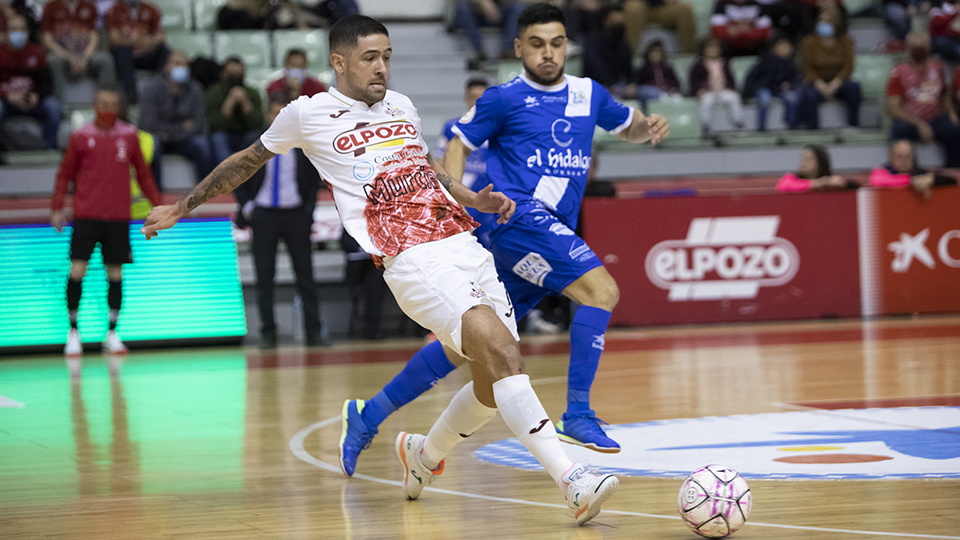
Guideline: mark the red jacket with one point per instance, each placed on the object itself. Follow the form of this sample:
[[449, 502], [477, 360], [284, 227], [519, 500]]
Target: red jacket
[[99, 161], [940, 20], [310, 87]]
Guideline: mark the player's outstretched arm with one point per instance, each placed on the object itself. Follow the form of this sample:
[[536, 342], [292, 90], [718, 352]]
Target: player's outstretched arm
[[234, 171], [455, 158], [487, 200], [653, 128]]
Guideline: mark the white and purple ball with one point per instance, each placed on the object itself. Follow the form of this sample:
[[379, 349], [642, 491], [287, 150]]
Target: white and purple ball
[[714, 501]]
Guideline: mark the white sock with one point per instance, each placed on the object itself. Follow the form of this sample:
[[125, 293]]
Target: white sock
[[524, 415], [459, 420]]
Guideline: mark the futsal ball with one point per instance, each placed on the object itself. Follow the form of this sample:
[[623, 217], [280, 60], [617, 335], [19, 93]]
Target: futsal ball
[[714, 501]]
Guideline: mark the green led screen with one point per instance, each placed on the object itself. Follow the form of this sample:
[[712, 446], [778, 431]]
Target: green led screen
[[183, 284]]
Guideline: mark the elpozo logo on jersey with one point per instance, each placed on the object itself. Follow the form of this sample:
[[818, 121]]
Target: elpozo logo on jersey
[[372, 136], [723, 258]]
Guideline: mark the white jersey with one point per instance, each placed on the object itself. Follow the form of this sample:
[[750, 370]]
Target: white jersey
[[374, 160]]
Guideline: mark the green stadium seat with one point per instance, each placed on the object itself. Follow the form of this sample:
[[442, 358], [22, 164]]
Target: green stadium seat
[[702, 10], [314, 42], [574, 66], [872, 72], [508, 70], [253, 46], [81, 117], [193, 43], [681, 65], [682, 115], [205, 13], [327, 77], [258, 78], [177, 14], [740, 66]]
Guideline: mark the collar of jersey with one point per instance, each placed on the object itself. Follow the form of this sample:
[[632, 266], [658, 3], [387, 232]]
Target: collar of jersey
[[349, 102], [542, 88]]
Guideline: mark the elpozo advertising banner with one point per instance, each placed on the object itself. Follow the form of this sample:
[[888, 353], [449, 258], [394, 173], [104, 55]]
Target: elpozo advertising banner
[[727, 259], [910, 251]]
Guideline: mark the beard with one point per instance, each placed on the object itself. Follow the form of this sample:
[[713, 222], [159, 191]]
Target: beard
[[540, 80]]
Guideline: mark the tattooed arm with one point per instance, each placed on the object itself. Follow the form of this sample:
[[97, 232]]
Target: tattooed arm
[[486, 200], [234, 171]]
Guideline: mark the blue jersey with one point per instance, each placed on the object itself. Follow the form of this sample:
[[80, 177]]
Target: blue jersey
[[541, 138], [475, 171]]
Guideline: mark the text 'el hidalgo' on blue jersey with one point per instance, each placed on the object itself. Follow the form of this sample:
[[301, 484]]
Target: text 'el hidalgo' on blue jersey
[[541, 138]]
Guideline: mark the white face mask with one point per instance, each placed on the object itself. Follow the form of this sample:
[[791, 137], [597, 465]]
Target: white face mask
[[180, 74], [295, 73], [17, 40]]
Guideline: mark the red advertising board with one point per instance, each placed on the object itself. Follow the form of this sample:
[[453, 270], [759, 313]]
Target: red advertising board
[[726, 259], [910, 251]]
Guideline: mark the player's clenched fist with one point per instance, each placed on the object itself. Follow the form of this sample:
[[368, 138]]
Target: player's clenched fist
[[161, 217]]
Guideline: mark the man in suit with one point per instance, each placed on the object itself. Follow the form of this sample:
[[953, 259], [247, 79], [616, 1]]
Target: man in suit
[[277, 202]]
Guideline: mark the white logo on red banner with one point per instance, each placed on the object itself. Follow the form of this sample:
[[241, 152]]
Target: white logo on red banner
[[911, 247], [723, 258]]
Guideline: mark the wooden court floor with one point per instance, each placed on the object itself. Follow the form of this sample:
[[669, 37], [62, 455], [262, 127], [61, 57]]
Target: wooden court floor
[[232, 443]]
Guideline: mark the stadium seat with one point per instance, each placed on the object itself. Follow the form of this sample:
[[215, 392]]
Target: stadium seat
[[259, 78], [314, 42], [253, 46], [740, 66], [81, 117], [193, 43], [205, 13], [872, 72], [507, 71], [681, 65], [683, 117], [702, 10], [177, 14]]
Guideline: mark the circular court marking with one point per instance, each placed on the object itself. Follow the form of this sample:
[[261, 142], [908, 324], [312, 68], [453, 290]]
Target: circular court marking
[[832, 458], [298, 450]]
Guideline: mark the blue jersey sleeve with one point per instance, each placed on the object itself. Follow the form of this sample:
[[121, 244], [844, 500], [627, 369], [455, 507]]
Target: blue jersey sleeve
[[482, 121], [612, 116], [447, 134]]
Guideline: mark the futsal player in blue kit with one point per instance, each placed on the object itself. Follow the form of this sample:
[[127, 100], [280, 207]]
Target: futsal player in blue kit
[[539, 128]]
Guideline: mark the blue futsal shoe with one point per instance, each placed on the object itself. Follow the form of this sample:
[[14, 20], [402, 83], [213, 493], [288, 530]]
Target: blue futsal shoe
[[355, 435], [583, 429]]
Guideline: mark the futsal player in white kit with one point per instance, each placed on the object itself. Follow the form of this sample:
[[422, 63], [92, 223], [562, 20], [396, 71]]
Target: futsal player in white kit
[[403, 208]]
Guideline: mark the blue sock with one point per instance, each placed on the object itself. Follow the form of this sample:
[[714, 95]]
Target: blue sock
[[422, 371], [586, 345]]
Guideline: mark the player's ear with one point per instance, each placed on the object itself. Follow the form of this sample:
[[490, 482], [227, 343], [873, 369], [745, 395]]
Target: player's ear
[[516, 47], [338, 63]]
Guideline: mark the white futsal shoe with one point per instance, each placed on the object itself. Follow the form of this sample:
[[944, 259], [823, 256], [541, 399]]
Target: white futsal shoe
[[74, 347], [415, 475], [113, 345], [586, 492]]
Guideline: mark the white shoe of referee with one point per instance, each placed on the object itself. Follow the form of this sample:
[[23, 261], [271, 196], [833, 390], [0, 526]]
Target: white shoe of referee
[[113, 345], [74, 347], [586, 491]]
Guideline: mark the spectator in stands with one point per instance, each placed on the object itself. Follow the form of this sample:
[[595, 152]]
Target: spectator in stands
[[69, 33], [607, 58], [471, 14], [137, 41], [234, 111], [826, 59], [97, 162], [901, 169], [955, 89], [24, 8], [583, 17], [367, 290], [25, 84], [945, 30], [740, 26], [243, 15], [775, 75], [711, 81], [814, 173], [899, 14], [675, 15], [296, 81], [278, 202], [174, 111], [656, 78], [919, 101]]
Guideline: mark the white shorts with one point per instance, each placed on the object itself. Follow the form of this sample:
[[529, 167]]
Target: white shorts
[[435, 283]]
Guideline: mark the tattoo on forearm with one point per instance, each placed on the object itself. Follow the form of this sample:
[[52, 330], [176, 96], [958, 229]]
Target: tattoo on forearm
[[234, 171], [445, 180]]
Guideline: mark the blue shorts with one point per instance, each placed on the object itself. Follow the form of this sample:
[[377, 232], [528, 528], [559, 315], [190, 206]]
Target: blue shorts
[[536, 254]]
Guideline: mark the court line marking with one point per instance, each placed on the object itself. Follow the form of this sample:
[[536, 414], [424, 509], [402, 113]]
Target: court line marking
[[298, 450]]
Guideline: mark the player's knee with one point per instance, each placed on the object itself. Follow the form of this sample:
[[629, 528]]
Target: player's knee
[[77, 270], [504, 360]]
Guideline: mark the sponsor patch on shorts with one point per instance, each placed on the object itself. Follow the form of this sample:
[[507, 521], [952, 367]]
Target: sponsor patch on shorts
[[533, 268]]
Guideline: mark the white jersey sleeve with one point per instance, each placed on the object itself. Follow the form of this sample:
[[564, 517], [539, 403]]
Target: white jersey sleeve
[[286, 131]]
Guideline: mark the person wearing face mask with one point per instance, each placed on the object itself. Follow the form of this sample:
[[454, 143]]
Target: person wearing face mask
[[137, 41], [173, 109], [234, 111], [97, 163], [607, 58], [71, 39], [826, 60], [296, 81], [919, 101], [25, 84], [740, 26]]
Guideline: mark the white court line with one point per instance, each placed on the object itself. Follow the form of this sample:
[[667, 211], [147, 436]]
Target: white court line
[[296, 446]]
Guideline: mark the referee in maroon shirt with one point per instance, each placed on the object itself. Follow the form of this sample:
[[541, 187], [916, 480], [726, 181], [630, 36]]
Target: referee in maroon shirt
[[97, 162]]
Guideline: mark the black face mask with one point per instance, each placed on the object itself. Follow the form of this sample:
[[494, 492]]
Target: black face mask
[[615, 33], [919, 54], [234, 80]]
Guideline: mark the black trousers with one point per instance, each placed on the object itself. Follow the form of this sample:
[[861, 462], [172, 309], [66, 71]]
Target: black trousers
[[293, 226]]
